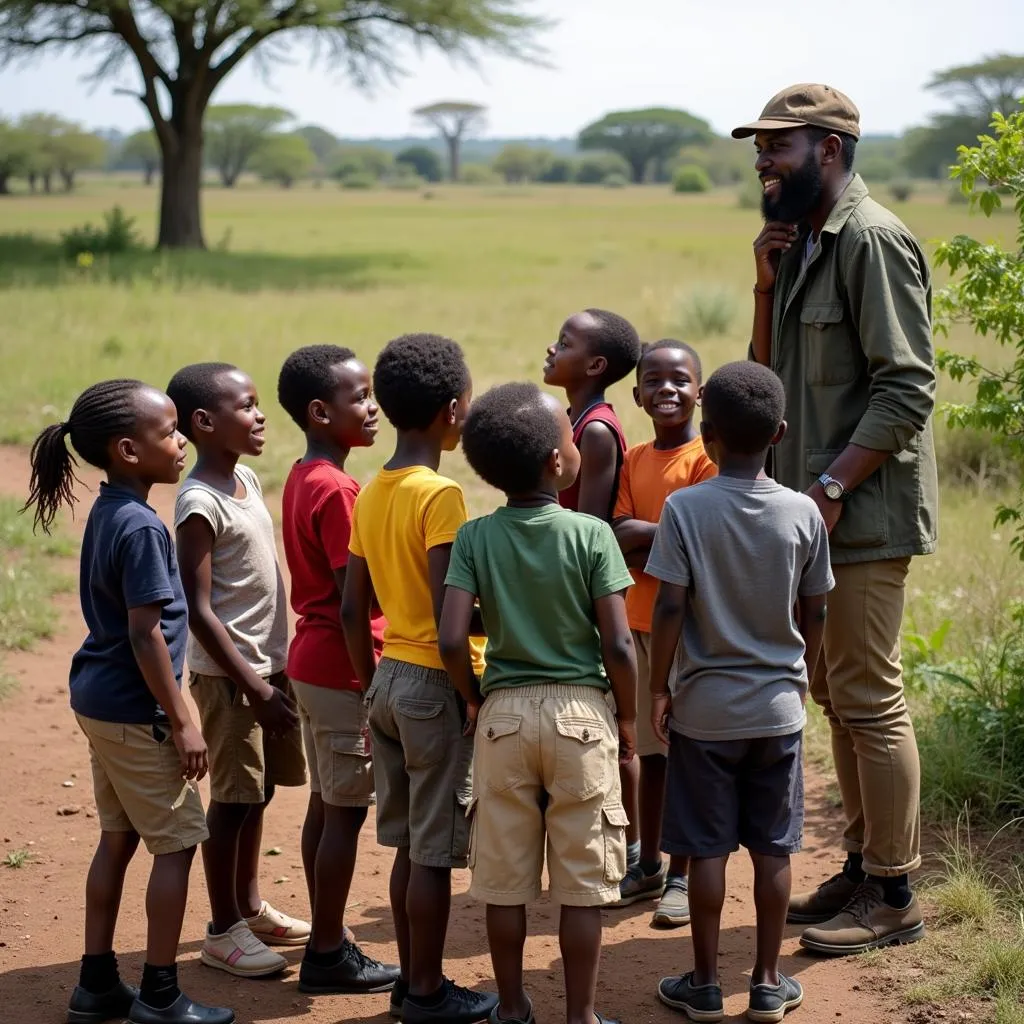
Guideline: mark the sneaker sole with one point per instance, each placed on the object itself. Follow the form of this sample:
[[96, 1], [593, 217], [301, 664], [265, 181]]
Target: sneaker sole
[[701, 1016], [220, 965], [773, 1016], [902, 938], [92, 1017], [347, 990], [638, 897], [664, 920]]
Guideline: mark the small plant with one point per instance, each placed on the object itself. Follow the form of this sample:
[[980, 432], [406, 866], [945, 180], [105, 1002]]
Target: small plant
[[358, 180], [920, 652], [901, 190], [690, 178], [706, 313], [616, 180], [17, 859], [967, 893], [117, 235]]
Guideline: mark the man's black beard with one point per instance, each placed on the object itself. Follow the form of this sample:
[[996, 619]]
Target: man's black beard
[[797, 195]]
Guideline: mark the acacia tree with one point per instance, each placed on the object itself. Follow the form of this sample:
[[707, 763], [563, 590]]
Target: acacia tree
[[993, 84], [142, 148], [643, 137], [284, 159], [16, 148], [987, 292], [183, 50], [454, 120]]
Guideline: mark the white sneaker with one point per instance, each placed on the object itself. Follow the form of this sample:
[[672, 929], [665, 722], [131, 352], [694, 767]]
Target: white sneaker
[[239, 952], [277, 929]]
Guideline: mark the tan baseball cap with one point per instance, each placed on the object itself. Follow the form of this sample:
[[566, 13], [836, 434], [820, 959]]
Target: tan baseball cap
[[805, 104]]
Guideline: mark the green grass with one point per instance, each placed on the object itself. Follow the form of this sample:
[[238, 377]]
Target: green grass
[[17, 859]]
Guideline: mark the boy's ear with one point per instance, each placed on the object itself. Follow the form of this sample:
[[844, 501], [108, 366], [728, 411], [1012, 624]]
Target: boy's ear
[[452, 411], [555, 463], [597, 367], [636, 397], [202, 421], [700, 395], [780, 433], [317, 412]]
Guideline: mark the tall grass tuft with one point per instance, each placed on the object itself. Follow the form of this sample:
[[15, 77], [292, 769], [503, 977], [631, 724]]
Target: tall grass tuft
[[704, 313]]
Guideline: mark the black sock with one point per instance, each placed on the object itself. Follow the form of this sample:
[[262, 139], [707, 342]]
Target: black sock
[[328, 959], [99, 973], [651, 867], [854, 867], [896, 890], [434, 999], [159, 987]]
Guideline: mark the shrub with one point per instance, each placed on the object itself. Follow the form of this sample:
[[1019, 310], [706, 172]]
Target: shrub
[[117, 235], [901, 190], [877, 169], [748, 196], [477, 174], [594, 168], [424, 161], [706, 313], [616, 180], [691, 178], [558, 171], [358, 180], [406, 182]]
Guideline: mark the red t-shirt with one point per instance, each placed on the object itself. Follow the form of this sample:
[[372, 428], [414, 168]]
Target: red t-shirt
[[317, 510], [600, 413]]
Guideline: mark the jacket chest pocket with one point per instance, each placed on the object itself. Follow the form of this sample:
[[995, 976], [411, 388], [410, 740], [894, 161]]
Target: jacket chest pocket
[[830, 356]]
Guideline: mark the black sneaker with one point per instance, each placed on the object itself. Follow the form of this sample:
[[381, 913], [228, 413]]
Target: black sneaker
[[353, 973], [698, 1002], [89, 1008], [398, 994], [181, 1011], [770, 1003], [458, 1006]]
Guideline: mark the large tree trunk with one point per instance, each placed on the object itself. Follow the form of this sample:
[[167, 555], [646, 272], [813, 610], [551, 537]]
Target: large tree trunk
[[147, 172], [47, 182], [32, 181], [181, 225], [453, 155], [69, 180], [5, 188], [638, 165]]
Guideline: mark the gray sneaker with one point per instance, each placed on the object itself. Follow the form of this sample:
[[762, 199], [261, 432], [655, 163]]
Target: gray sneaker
[[770, 1003], [674, 906], [638, 886], [699, 1002]]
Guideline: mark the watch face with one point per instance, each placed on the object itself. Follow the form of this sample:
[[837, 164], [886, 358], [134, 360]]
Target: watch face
[[833, 490]]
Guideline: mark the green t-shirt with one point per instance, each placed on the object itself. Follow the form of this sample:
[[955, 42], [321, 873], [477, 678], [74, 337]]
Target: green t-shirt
[[537, 573]]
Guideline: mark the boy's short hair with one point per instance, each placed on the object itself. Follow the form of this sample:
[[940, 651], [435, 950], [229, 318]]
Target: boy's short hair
[[509, 435], [306, 375], [681, 346], [416, 376], [745, 403], [195, 387], [617, 340]]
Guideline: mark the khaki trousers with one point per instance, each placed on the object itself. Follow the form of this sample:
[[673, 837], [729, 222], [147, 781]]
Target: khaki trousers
[[859, 685]]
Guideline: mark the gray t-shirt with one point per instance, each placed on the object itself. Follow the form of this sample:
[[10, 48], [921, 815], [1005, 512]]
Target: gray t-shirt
[[247, 592], [744, 550]]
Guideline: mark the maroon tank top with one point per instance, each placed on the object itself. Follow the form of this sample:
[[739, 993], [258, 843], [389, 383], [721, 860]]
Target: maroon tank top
[[602, 412]]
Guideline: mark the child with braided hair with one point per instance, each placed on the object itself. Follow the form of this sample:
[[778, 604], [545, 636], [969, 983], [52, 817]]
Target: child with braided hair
[[146, 751]]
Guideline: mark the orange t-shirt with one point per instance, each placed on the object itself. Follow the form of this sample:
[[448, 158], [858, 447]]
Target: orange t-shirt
[[648, 477]]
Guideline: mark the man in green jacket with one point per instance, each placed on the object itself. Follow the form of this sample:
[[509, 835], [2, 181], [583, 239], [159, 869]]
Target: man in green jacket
[[842, 313]]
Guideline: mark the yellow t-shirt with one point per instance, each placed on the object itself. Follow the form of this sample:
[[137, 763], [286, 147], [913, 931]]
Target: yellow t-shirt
[[398, 517]]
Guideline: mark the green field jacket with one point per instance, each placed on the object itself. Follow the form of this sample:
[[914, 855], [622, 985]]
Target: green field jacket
[[852, 344]]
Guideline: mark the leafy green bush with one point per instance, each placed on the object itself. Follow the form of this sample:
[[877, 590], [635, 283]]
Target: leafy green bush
[[595, 167], [615, 180], [691, 178], [477, 174], [116, 235], [358, 180], [558, 171], [704, 313], [901, 190]]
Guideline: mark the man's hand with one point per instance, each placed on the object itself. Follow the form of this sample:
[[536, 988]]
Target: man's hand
[[627, 740], [472, 711], [661, 708], [275, 712], [830, 510], [191, 749], [774, 240]]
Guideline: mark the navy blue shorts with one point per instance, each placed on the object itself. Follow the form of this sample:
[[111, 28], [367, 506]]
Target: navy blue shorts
[[721, 795]]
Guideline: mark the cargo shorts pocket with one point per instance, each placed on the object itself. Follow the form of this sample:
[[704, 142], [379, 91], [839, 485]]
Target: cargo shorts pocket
[[350, 767], [581, 757], [464, 805], [613, 827], [499, 753], [423, 731]]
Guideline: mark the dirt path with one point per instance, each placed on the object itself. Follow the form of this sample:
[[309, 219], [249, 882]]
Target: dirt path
[[41, 904]]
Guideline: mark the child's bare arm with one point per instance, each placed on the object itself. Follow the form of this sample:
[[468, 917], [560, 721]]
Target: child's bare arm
[[453, 633], [666, 628], [356, 606], [599, 459], [619, 658], [154, 661], [634, 535], [811, 623], [272, 708]]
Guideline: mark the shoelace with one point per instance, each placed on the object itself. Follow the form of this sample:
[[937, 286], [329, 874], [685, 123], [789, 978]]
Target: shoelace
[[463, 996], [864, 898], [362, 961]]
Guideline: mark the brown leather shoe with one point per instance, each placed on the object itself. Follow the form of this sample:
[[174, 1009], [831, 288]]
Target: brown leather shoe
[[867, 922], [823, 903]]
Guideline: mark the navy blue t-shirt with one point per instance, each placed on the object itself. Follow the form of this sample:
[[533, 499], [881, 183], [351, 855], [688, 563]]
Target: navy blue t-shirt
[[127, 562]]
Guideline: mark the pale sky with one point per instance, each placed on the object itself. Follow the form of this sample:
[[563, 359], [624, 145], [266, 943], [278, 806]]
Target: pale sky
[[720, 60]]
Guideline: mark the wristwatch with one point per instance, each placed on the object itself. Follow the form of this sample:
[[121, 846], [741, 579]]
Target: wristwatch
[[834, 490]]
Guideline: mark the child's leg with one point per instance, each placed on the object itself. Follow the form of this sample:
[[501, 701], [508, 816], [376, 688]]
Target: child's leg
[[773, 881], [427, 905], [312, 830], [103, 889], [247, 874], [335, 866], [165, 905], [506, 937], [707, 897], [630, 781], [579, 938], [652, 799], [399, 894], [221, 862]]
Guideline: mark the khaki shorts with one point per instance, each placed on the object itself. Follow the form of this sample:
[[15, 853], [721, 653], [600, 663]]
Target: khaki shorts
[[546, 773], [646, 742], [336, 737], [422, 763], [136, 779], [244, 762]]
